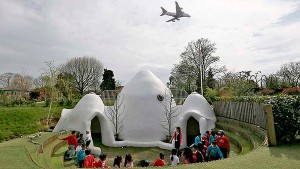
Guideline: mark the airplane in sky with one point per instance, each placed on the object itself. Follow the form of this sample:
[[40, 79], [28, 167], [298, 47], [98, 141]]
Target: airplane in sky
[[179, 13]]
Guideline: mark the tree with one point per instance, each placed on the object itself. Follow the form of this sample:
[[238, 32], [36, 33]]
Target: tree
[[170, 111], [40, 82], [290, 73], [22, 83], [50, 77], [238, 83], [5, 79], [115, 116], [64, 85], [108, 82], [210, 81], [195, 62], [86, 72]]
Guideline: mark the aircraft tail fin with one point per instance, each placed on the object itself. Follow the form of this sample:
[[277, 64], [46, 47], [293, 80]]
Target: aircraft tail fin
[[163, 11]]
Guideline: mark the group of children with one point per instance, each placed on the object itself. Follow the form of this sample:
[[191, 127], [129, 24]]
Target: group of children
[[206, 147]]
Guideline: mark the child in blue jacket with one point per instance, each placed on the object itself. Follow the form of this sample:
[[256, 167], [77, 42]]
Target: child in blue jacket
[[213, 152]]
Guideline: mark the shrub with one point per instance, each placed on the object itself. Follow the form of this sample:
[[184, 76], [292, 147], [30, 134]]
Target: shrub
[[211, 94], [286, 112], [291, 91], [69, 102], [47, 103], [61, 103], [266, 92]]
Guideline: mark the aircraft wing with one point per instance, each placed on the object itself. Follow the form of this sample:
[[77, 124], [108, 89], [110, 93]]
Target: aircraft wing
[[173, 20], [178, 9]]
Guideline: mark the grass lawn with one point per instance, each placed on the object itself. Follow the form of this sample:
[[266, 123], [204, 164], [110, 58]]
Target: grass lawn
[[22, 120], [281, 157], [17, 153]]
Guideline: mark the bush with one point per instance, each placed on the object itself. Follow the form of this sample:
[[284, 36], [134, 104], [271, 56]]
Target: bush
[[286, 112], [47, 103], [69, 102], [211, 94], [61, 103], [291, 91]]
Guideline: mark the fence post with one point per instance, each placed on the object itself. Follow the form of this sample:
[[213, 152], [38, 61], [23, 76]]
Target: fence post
[[270, 125]]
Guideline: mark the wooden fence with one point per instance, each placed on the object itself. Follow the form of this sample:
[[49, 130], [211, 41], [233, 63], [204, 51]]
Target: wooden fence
[[40, 148], [248, 112], [57, 147]]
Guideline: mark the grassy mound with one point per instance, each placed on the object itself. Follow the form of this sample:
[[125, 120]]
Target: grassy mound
[[23, 120]]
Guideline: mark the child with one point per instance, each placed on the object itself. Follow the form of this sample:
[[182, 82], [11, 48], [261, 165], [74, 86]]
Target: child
[[128, 161], [206, 142], [118, 162], [102, 162], [213, 152], [160, 161], [197, 139], [223, 144], [72, 144], [78, 148], [80, 138], [196, 155], [88, 138], [89, 160], [186, 156], [81, 156], [174, 158], [212, 137]]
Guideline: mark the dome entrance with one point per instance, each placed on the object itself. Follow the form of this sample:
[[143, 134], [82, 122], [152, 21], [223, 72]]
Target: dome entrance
[[192, 130]]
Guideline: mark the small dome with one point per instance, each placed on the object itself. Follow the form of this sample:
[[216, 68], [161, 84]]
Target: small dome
[[85, 109], [90, 102], [197, 102]]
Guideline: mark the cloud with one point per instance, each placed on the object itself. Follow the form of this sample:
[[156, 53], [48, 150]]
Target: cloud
[[130, 35]]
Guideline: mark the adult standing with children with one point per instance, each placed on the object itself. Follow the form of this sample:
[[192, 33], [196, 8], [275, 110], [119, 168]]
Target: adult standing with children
[[177, 136]]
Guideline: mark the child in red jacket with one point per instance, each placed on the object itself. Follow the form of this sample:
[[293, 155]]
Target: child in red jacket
[[72, 144], [223, 144], [89, 161], [160, 161], [102, 162]]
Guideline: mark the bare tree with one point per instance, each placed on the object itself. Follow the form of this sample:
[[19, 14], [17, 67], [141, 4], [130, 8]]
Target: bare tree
[[22, 83], [196, 61], [290, 73], [6, 79], [87, 71], [40, 81], [115, 114], [171, 112], [50, 76]]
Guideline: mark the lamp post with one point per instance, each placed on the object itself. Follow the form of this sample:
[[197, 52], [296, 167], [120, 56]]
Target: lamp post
[[201, 83], [201, 70]]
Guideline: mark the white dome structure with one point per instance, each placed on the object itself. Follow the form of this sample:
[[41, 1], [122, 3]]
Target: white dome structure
[[80, 118], [142, 108], [199, 113]]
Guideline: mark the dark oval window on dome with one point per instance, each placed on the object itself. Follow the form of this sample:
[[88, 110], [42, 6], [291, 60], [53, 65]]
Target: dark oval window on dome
[[160, 97]]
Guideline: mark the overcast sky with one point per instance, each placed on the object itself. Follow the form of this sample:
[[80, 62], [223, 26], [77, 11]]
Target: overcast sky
[[129, 35]]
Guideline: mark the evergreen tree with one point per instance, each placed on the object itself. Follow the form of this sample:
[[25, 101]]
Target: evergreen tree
[[108, 82]]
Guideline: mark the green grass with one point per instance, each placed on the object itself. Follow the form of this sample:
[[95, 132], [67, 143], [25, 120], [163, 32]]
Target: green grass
[[19, 153], [22, 120], [263, 158]]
